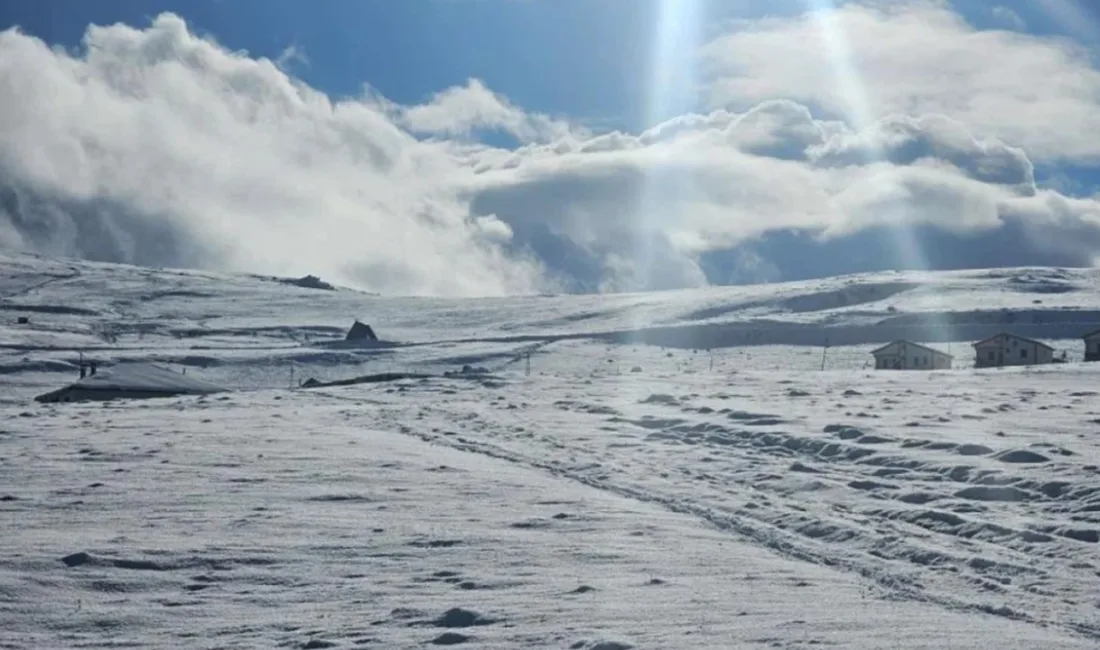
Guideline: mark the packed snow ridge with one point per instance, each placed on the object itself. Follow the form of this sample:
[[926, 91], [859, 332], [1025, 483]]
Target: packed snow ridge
[[686, 469]]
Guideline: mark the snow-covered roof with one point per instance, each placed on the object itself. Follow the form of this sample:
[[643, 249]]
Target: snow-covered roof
[[1012, 336], [143, 378], [877, 351]]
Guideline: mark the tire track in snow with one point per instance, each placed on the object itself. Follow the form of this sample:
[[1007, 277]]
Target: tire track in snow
[[762, 533]]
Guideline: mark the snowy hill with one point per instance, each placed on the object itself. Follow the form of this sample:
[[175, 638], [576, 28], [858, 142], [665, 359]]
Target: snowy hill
[[253, 328], [676, 469]]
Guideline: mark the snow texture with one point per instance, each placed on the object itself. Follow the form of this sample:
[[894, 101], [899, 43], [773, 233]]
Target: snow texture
[[136, 378], [619, 495]]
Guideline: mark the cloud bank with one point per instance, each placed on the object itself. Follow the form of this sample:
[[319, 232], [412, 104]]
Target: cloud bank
[[157, 147]]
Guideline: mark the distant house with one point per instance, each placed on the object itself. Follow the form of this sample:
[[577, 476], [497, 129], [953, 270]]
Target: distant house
[[906, 355], [360, 332], [130, 381], [1092, 346], [1010, 350]]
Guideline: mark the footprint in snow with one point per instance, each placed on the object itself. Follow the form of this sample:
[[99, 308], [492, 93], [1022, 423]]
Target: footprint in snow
[[458, 617]]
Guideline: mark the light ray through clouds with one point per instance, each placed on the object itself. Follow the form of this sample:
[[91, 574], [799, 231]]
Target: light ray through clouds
[[862, 115], [678, 36]]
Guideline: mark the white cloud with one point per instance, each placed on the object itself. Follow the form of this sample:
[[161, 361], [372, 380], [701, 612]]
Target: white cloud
[[915, 57], [158, 147], [225, 160], [290, 56], [1076, 17], [1008, 17], [703, 183], [465, 109], [904, 140]]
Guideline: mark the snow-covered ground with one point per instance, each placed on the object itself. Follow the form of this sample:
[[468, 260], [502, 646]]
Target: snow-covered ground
[[675, 471]]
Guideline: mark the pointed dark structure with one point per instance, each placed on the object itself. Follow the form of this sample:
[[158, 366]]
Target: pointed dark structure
[[360, 332]]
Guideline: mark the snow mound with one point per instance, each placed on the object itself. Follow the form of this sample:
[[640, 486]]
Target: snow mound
[[131, 380]]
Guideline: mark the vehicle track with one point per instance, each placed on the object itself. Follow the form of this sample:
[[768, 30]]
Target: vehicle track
[[746, 521]]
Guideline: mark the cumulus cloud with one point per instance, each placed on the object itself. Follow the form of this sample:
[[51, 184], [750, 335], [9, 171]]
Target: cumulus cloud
[[157, 147], [463, 110], [675, 195], [934, 140], [155, 139], [1008, 17], [865, 61], [290, 56]]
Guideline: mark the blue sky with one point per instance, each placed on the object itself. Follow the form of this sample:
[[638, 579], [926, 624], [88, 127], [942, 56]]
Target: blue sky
[[581, 58], [555, 77], [576, 57]]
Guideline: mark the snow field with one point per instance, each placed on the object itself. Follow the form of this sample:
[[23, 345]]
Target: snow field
[[301, 520], [676, 470]]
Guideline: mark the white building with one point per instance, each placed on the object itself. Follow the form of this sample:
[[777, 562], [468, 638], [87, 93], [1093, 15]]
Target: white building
[[1010, 350], [1092, 346], [906, 355]]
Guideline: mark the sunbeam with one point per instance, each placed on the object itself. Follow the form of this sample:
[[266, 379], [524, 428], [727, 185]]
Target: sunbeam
[[677, 38], [861, 114], [844, 67], [863, 117]]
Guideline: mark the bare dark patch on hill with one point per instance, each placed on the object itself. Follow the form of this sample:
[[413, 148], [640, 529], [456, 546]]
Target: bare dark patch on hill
[[66, 310]]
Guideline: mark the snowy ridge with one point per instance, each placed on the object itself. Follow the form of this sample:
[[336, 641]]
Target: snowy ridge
[[746, 496], [124, 302]]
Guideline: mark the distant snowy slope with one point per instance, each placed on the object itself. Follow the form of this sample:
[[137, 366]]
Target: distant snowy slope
[[117, 294], [253, 331]]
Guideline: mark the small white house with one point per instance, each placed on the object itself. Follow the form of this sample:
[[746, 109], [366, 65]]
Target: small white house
[[906, 355], [1010, 350], [1092, 346]]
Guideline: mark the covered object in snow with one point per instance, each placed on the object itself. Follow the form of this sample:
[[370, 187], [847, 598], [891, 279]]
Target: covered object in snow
[[131, 381]]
